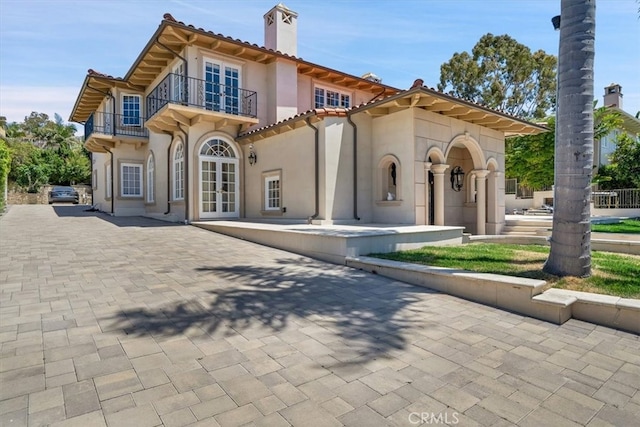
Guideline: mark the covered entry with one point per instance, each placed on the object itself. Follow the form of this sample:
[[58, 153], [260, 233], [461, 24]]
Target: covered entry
[[218, 180]]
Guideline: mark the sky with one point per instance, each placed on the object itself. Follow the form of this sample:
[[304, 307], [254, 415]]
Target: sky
[[47, 46]]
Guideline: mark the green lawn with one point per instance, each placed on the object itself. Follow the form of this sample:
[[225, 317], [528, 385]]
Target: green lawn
[[631, 226], [613, 274]]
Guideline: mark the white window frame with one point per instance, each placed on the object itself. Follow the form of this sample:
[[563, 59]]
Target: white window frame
[[107, 188], [137, 166], [151, 170], [138, 121], [267, 193], [178, 172], [342, 99]]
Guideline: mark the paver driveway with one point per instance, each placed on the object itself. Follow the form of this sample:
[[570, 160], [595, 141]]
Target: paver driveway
[[134, 322]]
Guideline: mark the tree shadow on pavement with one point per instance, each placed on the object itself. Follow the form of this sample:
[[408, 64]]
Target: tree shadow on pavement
[[356, 314]]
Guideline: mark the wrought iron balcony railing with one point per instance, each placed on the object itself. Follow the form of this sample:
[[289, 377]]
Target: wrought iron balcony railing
[[115, 124], [208, 95]]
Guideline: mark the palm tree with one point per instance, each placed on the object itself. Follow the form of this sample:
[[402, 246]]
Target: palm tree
[[570, 253]]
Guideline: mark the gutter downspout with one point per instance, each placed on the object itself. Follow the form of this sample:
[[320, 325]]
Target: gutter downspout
[[113, 194], [355, 168], [317, 168], [186, 173], [168, 173]]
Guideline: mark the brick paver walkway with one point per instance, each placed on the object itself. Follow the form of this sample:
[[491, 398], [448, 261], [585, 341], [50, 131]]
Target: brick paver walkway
[[134, 322]]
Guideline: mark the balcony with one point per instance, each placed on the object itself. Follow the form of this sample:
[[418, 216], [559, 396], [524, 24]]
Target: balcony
[[188, 101], [110, 130]]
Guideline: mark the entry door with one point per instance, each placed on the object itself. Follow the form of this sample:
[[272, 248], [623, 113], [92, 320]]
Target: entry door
[[222, 87], [219, 189]]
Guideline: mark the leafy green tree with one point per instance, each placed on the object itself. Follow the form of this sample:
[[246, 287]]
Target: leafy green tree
[[502, 74], [570, 253], [46, 151], [624, 169], [530, 158], [29, 168]]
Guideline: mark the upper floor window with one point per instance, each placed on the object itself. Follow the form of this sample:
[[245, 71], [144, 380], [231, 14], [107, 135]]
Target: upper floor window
[[331, 98], [131, 110]]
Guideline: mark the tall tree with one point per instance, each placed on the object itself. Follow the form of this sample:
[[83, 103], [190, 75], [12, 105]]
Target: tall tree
[[502, 74], [570, 253]]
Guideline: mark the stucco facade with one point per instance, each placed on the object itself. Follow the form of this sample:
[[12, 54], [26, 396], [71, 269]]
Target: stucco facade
[[206, 127]]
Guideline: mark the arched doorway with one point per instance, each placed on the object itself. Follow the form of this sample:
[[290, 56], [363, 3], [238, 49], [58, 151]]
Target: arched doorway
[[219, 180]]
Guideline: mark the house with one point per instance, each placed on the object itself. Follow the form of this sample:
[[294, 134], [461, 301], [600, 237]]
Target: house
[[205, 127], [630, 125]]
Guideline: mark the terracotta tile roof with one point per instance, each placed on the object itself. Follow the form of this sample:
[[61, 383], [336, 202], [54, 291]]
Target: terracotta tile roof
[[169, 18], [93, 73]]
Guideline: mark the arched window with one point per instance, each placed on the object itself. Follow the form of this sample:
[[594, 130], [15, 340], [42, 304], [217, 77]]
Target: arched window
[[178, 172], [217, 148], [151, 166]]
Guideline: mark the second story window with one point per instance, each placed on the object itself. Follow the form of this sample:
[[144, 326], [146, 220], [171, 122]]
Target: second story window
[[131, 110], [331, 98]]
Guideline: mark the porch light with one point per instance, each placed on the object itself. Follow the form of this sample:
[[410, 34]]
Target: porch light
[[457, 178], [253, 157]]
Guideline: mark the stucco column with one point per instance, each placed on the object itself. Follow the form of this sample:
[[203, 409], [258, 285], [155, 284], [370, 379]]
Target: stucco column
[[438, 190], [427, 168], [481, 201]]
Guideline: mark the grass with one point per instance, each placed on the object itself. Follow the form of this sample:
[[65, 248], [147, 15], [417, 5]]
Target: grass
[[631, 226], [612, 274]]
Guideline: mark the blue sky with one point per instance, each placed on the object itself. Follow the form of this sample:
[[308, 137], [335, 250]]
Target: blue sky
[[46, 46]]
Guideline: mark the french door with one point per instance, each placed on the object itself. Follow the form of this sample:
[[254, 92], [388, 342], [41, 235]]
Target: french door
[[219, 181], [221, 87]]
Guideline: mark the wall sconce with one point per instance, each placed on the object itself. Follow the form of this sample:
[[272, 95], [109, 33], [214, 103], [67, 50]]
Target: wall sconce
[[253, 157], [457, 178]]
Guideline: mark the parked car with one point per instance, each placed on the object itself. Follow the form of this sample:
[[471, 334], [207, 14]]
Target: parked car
[[547, 208], [63, 194]]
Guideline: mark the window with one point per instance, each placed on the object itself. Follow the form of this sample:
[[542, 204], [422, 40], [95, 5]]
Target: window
[[108, 181], [178, 172], [272, 193], [331, 98], [130, 180], [131, 110], [150, 178]]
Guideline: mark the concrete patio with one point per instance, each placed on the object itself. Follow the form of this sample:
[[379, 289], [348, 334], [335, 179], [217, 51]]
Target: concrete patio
[[130, 321]]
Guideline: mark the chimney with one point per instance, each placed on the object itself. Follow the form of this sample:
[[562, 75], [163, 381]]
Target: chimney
[[613, 96], [281, 30]]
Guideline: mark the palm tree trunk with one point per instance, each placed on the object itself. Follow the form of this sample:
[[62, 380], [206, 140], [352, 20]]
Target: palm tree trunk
[[570, 253]]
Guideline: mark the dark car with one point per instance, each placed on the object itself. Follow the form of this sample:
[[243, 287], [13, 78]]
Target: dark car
[[63, 194]]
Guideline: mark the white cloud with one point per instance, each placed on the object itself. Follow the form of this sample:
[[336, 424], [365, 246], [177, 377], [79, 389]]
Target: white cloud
[[17, 102]]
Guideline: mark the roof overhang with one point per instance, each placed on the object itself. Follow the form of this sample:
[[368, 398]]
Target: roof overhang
[[94, 89], [170, 40], [629, 123], [419, 97], [437, 102]]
